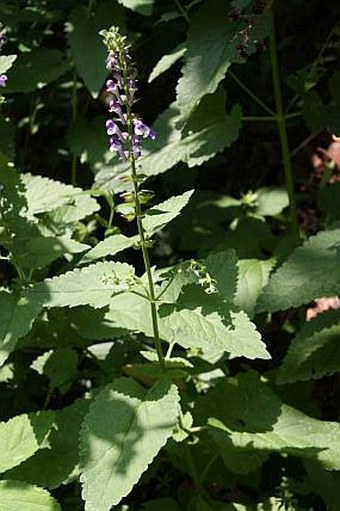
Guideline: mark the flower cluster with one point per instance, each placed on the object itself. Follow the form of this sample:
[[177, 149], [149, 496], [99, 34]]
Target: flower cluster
[[3, 39], [124, 128]]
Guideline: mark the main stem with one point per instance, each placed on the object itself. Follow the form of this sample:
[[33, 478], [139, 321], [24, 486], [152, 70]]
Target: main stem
[[281, 123], [147, 265]]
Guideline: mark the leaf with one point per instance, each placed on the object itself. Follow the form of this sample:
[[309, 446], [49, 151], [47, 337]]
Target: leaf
[[57, 464], [125, 428], [16, 495], [210, 51], [194, 148], [164, 503], [88, 141], [312, 271], [246, 414], [44, 195], [313, 352], [109, 247], [7, 133], [271, 201], [222, 267], [253, 276], [92, 323], [93, 285], [60, 367], [167, 61], [6, 62], [324, 483], [144, 7], [22, 436], [198, 320], [157, 217], [17, 317], [32, 65], [87, 48]]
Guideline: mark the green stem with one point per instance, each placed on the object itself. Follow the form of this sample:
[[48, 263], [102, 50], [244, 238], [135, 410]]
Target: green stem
[[251, 94], [74, 118], [141, 233], [281, 123], [182, 10]]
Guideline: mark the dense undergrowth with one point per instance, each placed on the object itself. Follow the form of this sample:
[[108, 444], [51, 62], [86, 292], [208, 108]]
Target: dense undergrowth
[[169, 321]]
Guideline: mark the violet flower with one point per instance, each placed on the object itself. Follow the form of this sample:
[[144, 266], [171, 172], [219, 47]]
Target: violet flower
[[125, 128], [3, 80]]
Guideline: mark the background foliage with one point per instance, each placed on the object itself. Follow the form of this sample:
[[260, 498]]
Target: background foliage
[[244, 238]]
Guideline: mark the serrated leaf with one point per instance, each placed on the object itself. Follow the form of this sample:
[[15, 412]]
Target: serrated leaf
[[222, 267], [124, 430], [313, 352], [16, 495], [109, 247], [253, 276], [60, 367], [88, 50], [210, 51], [312, 271], [92, 323], [198, 320], [144, 7], [50, 467], [17, 317], [246, 414], [44, 195], [22, 436], [93, 285], [157, 217], [167, 61], [32, 65], [6, 62]]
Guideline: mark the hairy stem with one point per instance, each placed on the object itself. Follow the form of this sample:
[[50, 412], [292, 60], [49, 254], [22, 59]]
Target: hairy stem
[[282, 128]]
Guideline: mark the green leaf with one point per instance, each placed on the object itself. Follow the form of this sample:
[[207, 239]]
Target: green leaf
[[271, 201], [88, 141], [44, 195], [17, 317], [7, 134], [109, 247], [144, 7], [16, 495], [324, 483], [22, 436], [167, 61], [246, 414], [164, 503], [93, 285], [157, 217], [253, 276], [91, 323], [57, 464], [194, 148], [6, 62], [313, 352], [198, 320], [210, 51], [222, 267], [60, 366], [124, 430], [312, 271], [32, 65], [87, 48]]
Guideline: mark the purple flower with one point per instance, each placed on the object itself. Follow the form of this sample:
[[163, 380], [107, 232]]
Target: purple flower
[[3, 80], [127, 130]]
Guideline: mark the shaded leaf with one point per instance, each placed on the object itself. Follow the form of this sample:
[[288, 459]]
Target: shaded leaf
[[313, 352], [32, 65], [222, 266], [22, 436], [60, 367], [17, 317], [125, 428], [16, 495], [56, 464], [312, 271], [157, 217], [167, 61]]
